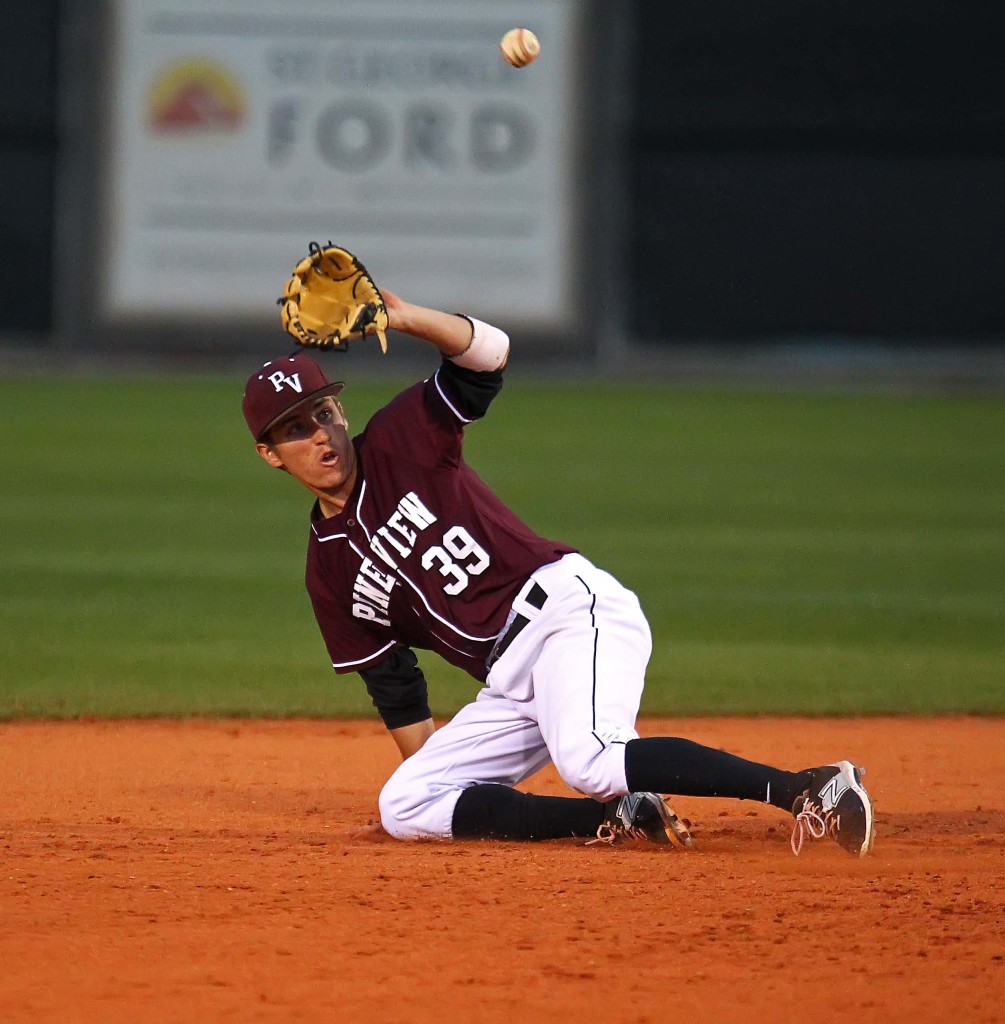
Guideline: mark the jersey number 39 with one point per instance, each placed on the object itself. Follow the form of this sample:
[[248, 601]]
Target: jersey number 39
[[458, 547]]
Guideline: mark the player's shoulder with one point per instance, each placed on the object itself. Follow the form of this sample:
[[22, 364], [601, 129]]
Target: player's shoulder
[[420, 408]]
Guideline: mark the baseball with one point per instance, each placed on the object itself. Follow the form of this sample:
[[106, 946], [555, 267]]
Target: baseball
[[520, 46]]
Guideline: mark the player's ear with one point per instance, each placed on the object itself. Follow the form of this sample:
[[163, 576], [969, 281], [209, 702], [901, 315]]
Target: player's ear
[[341, 412], [270, 455]]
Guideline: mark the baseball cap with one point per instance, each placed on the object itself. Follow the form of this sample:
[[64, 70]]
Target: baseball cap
[[281, 385]]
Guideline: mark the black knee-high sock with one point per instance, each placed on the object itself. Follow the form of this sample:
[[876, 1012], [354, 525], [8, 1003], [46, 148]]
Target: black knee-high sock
[[670, 765], [498, 812]]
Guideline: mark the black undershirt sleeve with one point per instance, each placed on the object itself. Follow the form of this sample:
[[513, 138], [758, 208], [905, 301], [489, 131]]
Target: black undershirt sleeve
[[398, 689], [470, 391]]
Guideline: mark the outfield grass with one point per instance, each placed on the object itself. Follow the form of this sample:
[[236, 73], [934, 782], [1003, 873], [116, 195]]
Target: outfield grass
[[794, 552]]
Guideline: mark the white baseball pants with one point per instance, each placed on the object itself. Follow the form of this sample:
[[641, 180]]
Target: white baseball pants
[[566, 690]]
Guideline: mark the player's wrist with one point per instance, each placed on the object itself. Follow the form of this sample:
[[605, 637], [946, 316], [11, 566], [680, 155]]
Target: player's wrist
[[402, 317]]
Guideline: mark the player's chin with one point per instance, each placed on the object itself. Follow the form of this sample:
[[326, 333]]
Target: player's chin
[[329, 478], [318, 478]]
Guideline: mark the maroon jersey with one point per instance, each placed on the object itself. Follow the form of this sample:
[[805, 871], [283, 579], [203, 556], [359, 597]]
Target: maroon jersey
[[423, 555]]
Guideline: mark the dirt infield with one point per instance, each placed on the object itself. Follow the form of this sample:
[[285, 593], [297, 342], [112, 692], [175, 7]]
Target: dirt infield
[[208, 871]]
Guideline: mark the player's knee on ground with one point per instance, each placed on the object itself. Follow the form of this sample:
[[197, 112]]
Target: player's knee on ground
[[409, 811], [394, 808]]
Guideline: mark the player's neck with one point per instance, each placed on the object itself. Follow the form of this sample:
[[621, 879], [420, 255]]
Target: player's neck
[[331, 503]]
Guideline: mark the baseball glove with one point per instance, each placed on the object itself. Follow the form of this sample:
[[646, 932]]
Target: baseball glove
[[331, 299]]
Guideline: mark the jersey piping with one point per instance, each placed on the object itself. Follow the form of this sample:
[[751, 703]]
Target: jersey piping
[[360, 661], [446, 401]]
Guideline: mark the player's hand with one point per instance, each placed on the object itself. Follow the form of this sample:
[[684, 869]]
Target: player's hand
[[370, 830]]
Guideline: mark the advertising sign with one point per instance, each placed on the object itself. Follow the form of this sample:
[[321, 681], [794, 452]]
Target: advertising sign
[[240, 131]]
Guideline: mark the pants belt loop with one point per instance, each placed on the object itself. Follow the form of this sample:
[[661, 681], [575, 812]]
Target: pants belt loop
[[536, 598]]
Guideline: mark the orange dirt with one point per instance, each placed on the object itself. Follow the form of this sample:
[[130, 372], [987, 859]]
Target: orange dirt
[[208, 871]]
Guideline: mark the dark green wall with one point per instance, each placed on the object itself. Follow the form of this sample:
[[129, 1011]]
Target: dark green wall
[[819, 169], [28, 142]]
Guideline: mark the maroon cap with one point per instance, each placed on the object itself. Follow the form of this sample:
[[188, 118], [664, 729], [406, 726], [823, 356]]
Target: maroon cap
[[281, 385]]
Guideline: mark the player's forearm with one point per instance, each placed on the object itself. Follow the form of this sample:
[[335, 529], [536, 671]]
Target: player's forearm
[[451, 334], [473, 344], [411, 737]]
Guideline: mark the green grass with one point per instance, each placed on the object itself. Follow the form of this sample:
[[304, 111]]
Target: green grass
[[795, 553]]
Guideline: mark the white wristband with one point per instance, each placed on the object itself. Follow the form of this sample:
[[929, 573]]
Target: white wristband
[[488, 349]]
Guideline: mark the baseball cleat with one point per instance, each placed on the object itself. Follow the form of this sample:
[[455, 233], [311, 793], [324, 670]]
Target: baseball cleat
[[642, 816], [835, 804]]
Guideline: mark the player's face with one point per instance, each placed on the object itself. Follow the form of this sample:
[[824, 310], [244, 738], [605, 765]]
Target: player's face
[[313, 445]]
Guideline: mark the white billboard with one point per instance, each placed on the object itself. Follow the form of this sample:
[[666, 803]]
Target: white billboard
[[240, 130]]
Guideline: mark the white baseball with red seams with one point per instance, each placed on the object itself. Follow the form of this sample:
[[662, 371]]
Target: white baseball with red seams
[[520, 46]]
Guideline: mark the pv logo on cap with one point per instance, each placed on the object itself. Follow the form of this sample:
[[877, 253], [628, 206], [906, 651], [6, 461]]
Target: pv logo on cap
[[280, 380]]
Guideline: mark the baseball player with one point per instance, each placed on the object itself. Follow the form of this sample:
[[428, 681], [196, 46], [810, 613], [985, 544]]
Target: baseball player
[[408, 549]]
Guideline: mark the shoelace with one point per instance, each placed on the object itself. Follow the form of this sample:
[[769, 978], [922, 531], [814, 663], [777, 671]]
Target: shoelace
[[605, 834], [814, 822]]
